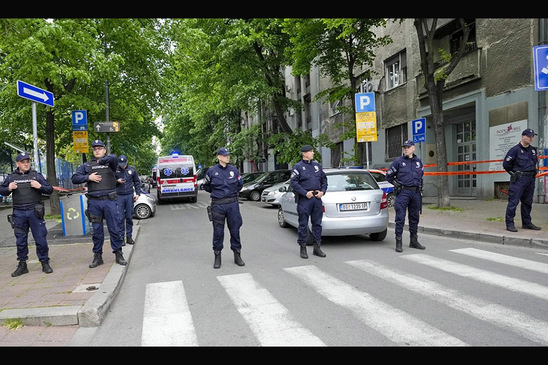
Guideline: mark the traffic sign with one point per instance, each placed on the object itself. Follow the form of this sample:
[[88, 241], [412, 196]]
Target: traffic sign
[[365, 102], [80, 141], [33, 93], [107, 127], [419, 130], [540, 58], [366, 127], [79, 120]]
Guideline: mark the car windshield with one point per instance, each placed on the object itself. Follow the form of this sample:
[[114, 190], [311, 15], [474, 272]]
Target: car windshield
[[261, 178], [350, 181]]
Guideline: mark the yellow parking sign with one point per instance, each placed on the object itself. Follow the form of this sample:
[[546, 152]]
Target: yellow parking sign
[[366, 126], [80, 141]]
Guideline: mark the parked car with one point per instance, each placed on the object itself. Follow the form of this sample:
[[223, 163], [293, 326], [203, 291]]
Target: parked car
[[253, 190], [200, 175], [145, 206], [388, 188], [251, 176], [354, 204], [273, 194]]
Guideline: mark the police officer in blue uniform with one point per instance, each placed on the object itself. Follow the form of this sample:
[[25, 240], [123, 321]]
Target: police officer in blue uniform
[[128, 181], [99, 174], [223, 182], [27, 186], [309, 183], [406, 173], [521, 162]]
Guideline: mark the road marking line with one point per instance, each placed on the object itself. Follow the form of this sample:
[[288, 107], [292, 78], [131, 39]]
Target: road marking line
[[521, 323], [166, 319], [506, 282], [269, 320], [395, 324], [504, 259]]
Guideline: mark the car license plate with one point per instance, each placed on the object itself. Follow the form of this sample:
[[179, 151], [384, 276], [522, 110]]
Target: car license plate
[[353, 206]]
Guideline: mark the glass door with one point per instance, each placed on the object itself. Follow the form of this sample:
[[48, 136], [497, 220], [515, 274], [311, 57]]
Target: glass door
[[466, 151]]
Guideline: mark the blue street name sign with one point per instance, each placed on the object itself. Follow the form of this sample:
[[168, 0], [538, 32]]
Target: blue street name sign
[[365, 102], [419, 130], [79, 120], [33, 93], [540, 58]]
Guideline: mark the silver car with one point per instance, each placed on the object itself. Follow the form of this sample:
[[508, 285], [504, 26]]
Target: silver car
[[273, 194], [354, 204], [145, 206]]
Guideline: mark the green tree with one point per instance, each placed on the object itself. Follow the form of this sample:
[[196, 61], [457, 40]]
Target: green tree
[[435, 77], [73, 59]]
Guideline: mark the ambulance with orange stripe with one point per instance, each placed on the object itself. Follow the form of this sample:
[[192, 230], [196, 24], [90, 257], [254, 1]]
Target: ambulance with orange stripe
[[176, 178]]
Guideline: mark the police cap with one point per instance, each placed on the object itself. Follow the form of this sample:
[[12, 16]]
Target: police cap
[[223, 152], [97, 143], [529, 132], [122, 161], [22, 156], [408, 143], [306, 148]]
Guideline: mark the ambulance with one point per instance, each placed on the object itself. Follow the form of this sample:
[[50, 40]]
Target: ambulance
[[176, 178]]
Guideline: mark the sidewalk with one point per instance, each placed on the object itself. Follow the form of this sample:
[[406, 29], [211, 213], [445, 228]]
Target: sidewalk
[[76, 296]]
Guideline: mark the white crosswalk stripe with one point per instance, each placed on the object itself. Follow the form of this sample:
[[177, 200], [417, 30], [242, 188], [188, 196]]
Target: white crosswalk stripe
[[484, 276], [186, 206], [269, 320], [393, 323], [167, 319], [496, 314]]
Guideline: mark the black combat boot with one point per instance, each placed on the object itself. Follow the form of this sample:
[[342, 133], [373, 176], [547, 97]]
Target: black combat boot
[[130, 241], [317, 250], [21, 269], [46, 268], [97, 260], [237, 259], [304, 255], [398, 244], [414, 243], [510, 227], [120, 258], [217, 263]]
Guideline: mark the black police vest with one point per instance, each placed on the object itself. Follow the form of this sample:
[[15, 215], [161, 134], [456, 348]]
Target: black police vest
[[25, 194], [109, 179]]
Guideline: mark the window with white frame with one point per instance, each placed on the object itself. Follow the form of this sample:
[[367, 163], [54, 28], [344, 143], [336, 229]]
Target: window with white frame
[[396, 70]]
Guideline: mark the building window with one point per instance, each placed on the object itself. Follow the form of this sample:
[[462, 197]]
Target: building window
[[395, 137], [396, 70]]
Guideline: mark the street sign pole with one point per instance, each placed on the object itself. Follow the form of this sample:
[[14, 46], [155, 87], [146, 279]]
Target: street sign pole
[[37, 165]]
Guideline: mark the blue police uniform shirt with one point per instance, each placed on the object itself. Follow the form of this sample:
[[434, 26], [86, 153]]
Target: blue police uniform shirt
[[129, 174], [520, 158], [81, 176], [306, 176], [407, 171], [223, 182]]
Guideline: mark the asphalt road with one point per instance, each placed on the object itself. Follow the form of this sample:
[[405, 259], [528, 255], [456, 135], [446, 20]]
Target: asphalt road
[[455, 293]]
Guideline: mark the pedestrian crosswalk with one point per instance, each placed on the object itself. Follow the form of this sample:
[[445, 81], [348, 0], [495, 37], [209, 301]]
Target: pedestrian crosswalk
[[168, 319]]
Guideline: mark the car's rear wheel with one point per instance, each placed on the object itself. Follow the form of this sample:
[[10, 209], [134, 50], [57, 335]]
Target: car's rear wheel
[[143, 211], [378, 236], [281, 219], [391, 199], [255, 196]]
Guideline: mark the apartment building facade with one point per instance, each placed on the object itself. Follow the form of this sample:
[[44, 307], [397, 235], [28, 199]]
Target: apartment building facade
[[488, 100]]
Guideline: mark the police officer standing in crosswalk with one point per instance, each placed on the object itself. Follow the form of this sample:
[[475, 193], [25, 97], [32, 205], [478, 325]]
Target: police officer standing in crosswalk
[[99, 175], [406, 173], [27, 186], [309, 183], [521, 162], [223, 182], [128, 191]]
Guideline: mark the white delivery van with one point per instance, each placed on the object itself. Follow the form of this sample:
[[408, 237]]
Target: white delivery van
[[176, 178]]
